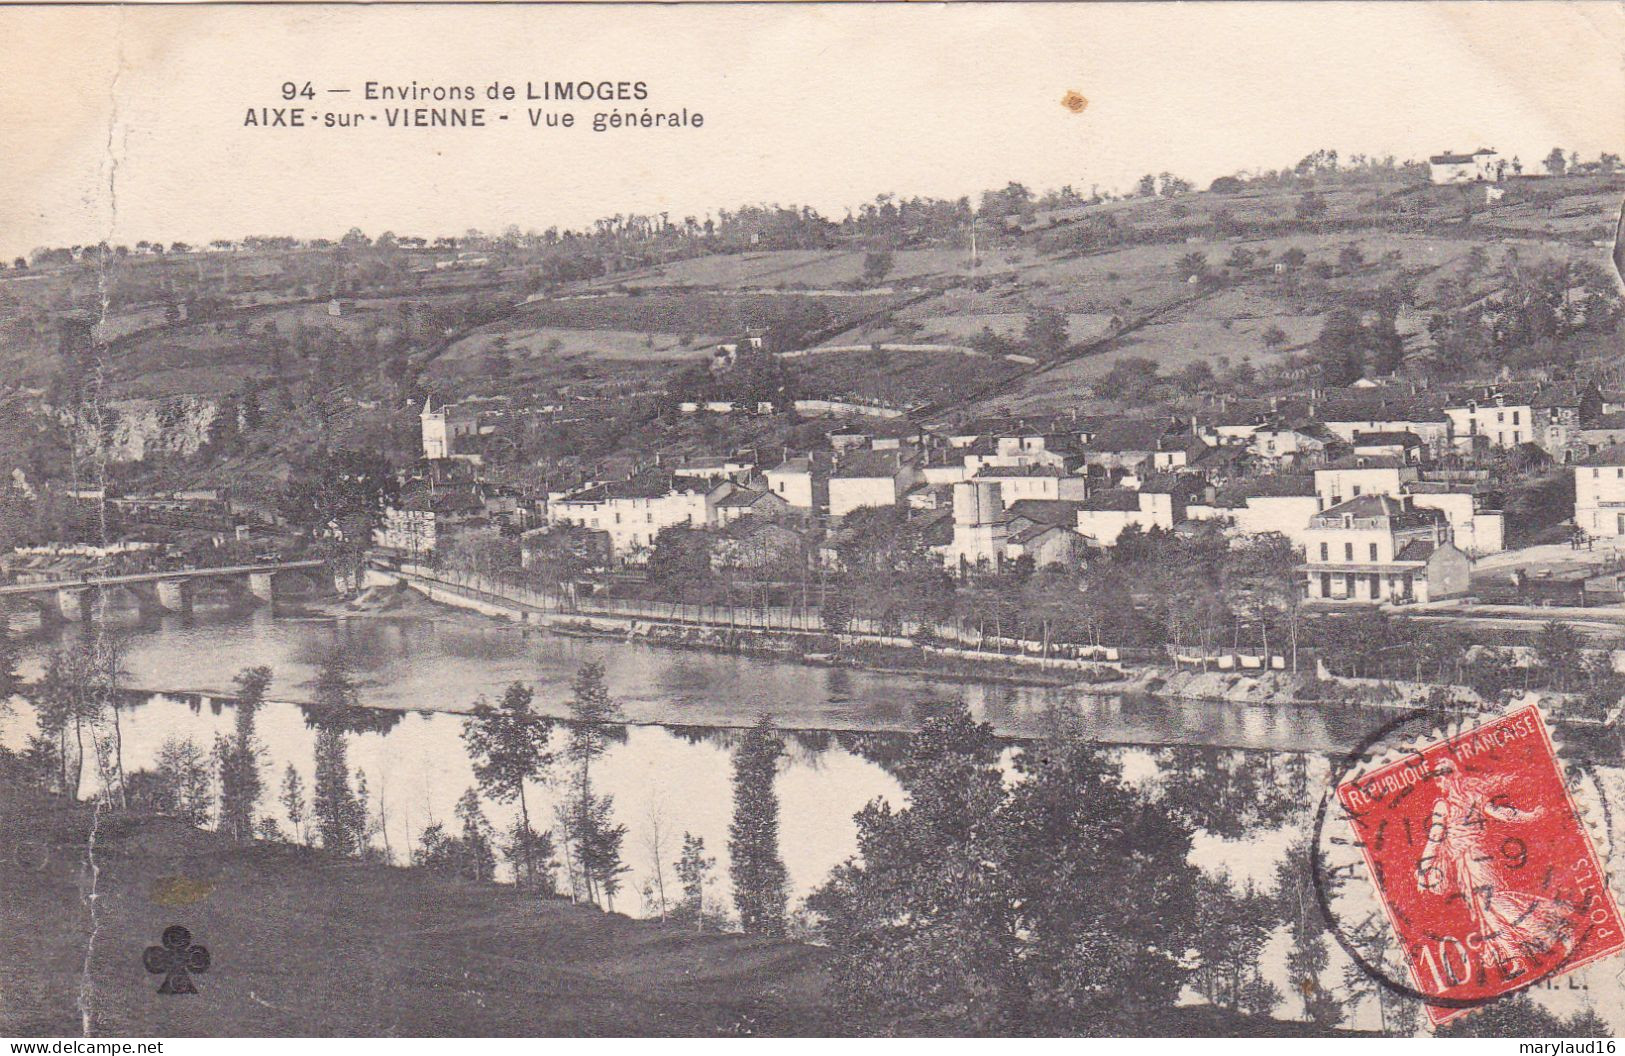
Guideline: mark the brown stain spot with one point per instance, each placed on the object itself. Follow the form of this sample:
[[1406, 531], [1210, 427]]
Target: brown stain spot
[[180, 890], [1074, 102]]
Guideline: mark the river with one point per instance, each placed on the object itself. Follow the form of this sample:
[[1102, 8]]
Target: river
[[1264, 769], [432, 658]]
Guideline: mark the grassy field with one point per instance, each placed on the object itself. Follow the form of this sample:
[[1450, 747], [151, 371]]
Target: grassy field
[[809, 268], [542, 341], [303, 944], [1089, 261]]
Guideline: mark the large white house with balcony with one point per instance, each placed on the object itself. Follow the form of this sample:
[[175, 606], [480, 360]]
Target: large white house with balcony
[[1382, 548]]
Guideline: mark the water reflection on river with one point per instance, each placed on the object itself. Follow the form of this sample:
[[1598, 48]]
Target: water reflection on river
[[447, 660], [674, 769]]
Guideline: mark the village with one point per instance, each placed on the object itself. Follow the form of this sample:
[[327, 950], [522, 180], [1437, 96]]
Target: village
[[1470, 471], [1006, 521]]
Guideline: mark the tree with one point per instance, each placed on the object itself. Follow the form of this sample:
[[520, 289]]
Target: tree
[[10, 681], [1296, 902], [1514, 1016], [586, 816], [1311, 206], [1274, 337], [1131, 379], [597, 839], [530, 853], [1101, 886], [78, 686], [1047, 330], [1232, 926], [238, 759], [757, 868], [1556, 164], [592, 710], [1195, 378], [478, 841], [294, 804], [681, 562], [877, 264], [835, 611], [1561, 653], [337, 812], [1042, 907], [183, 787], [507, 743], [694, 875], [1192, 265], [922, 916]]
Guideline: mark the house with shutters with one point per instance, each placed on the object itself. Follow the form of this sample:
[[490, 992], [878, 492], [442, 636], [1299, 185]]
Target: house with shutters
[[1599, 494], [1382, 549], [1491, 419]]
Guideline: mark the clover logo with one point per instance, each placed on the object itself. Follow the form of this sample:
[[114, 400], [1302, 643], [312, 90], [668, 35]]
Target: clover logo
[[177, 960]]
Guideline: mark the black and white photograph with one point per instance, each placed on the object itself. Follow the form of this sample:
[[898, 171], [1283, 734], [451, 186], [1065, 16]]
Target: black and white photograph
[[807, 520]]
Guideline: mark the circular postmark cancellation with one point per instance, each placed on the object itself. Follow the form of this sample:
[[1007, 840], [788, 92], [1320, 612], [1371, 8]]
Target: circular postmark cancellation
[[1458, 867]]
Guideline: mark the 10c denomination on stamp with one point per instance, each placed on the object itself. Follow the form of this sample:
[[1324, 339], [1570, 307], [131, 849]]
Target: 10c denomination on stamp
[[1483, 863]]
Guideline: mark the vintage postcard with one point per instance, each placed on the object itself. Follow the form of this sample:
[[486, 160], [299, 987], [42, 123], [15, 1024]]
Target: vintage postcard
[[803, 520]]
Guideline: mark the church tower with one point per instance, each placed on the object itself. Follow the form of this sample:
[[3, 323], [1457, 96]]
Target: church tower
[[436, 436]]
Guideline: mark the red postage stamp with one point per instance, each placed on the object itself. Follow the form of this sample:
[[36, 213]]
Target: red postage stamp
[[1484, 865]]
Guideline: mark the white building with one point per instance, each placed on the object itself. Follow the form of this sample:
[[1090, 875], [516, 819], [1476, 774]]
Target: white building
[[1377, 549], [1103, 516], [1281, 445], [980, 532], [713, 467], [410, 532], [633, 512], [1286, 515], [1475, 531], [1497, 420], [1016, 483], [870, 478], [1481, 165], [1599, 494], [1433, 432], [803, 482], [443, 428], [1351, 479]]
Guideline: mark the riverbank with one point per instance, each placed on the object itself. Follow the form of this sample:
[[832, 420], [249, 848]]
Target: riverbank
[[1091, 679]]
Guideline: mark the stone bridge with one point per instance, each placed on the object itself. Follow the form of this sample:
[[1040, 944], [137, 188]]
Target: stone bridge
[[167, 591]]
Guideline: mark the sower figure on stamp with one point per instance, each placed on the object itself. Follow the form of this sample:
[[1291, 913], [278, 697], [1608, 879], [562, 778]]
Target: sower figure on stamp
[[1510, 924]]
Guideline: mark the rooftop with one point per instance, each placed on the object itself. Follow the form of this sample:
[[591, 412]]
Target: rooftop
[[1398, 512], [1109, 499], [1045, 511]]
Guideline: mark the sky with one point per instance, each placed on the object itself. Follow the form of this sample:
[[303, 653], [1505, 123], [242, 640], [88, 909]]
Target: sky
[[126, 123]]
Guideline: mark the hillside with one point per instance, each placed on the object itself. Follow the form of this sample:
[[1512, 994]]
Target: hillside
[[1208, 291]]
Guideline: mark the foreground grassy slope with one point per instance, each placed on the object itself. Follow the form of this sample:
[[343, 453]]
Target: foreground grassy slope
[[307, 945], [304, 944]]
